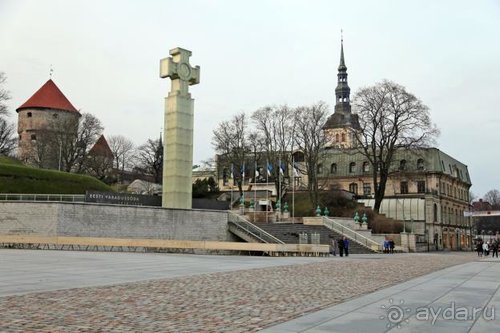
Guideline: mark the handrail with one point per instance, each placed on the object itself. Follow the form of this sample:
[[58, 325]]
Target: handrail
[[253, 229], [42, 197], [355, 236]]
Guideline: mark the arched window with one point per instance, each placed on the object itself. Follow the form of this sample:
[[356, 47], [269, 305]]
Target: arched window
[[420, 164], [402, 165], [320, 169], [29, 114], [353, 187], [343, 137], [366, 167], [333, 168], [352, 167], [337, 137]]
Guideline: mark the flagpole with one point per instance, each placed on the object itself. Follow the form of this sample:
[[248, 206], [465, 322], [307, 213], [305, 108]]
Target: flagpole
[[255, 191], [243, 188], [267, 189], [231, 176], [279, 188], [293, 189]]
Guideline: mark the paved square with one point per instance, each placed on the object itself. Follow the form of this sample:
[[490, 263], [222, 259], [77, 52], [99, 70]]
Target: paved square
[[187, 293]]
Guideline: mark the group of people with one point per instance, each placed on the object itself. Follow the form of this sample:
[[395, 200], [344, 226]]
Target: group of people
[[388, 245], [342, 244], [484, 248]]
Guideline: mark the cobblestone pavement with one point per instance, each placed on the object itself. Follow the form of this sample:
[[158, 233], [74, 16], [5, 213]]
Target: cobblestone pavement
[[239, 301]]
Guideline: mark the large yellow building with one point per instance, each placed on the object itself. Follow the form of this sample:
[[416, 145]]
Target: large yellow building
[[426, 188]]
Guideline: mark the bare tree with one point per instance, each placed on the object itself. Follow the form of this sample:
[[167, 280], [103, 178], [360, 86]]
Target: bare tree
[[310, 139], [230, 142], [150, 159], [4, 95], [7, 138], [493, 197], [390, 119], [122, 149], [7, 130], [65, 143], [275, 127]]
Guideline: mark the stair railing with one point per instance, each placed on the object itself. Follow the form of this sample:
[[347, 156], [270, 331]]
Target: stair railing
[[351, 234], [252, 229]]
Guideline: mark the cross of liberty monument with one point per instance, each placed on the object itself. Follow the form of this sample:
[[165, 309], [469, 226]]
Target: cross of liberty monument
[[178, 129]]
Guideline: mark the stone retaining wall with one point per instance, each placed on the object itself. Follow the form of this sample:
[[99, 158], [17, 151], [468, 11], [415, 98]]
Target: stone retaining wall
[[100, 220]]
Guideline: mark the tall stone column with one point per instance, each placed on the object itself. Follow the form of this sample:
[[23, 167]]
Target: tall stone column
[[178, 129]]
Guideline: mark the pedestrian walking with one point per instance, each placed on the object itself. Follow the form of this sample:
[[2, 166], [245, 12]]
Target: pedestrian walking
[[386, 245], [346, 246], [333, 246], [391, 245], [494, 248], [479, 248], [340, 244]]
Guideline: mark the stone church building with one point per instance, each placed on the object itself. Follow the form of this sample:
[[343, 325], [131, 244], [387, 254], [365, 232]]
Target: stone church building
[[427, 189]]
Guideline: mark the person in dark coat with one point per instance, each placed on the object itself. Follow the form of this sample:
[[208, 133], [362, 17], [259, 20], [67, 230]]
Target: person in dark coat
[[346, 246], [391, 245], [340, 243], [479, 248]]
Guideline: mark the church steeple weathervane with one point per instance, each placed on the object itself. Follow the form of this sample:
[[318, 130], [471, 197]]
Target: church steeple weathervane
[[342, 92]]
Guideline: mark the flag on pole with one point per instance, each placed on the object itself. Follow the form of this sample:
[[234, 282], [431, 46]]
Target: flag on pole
[[231, 176], [243, 171], [282, 168], [257, 173], [269, 169]]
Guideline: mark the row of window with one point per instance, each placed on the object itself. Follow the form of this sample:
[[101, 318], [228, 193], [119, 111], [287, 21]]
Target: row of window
[[367, 187], [32, 137], [453, 191], [30, 114], [366, 166]]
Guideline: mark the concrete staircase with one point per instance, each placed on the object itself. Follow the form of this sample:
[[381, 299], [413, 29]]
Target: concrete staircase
[[289, 234]]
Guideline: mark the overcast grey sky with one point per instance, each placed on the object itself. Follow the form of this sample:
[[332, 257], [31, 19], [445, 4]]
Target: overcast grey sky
[[106, 56]]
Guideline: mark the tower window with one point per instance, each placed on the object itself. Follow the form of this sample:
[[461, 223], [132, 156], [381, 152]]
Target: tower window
[[366, 167], [333, 168], [352, 167], [29, 114], [55, 115], [420, 164], [33, 137], [320, 169], [402, 165]]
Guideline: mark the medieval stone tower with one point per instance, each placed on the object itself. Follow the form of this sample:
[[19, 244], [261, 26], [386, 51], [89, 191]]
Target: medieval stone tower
[[341, 125], [47, 107]]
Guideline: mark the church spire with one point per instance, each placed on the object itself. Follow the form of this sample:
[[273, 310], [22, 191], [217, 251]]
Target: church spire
[[342, 92]]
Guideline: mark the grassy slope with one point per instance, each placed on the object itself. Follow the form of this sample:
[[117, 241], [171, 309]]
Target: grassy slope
[[16, 178]]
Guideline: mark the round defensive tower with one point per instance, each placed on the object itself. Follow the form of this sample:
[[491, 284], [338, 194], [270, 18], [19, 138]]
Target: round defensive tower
[[46, 107]]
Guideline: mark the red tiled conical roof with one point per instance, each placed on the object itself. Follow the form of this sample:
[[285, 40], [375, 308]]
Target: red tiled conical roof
[[48, 97], [101, 148]]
